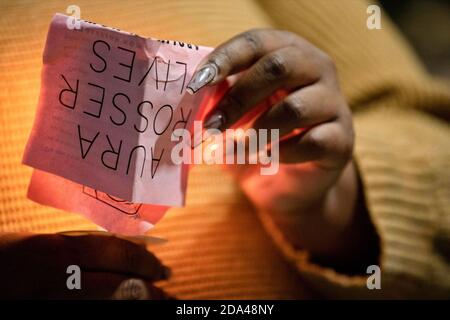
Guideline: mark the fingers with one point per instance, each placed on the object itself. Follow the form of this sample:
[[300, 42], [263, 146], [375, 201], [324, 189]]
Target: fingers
[[276, 60], [272, 72], [108, 253], [329, 145], [34, 264], [238, 54], [103, 285], [273, 60], [301, 109]]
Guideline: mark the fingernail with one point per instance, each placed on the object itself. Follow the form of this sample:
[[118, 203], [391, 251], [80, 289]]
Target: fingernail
[[215, 120], [131, 289], [201, 78]]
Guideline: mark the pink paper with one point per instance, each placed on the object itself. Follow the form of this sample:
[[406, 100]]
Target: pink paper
[[113, 214], [109, 103]]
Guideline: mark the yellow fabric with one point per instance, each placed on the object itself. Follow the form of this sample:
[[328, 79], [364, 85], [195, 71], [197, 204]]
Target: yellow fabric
[[217, 247], [403, 154]]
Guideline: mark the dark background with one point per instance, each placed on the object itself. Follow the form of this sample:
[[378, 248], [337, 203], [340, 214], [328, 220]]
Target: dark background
[[426, 24]]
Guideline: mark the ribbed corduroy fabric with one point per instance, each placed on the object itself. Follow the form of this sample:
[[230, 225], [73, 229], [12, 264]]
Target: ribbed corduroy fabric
[[217, 246]]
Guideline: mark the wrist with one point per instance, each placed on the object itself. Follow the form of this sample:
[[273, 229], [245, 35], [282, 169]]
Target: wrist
[[335, 229]]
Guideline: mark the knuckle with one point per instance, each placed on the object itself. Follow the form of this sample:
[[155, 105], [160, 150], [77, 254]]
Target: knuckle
[[274, 67], [320, 141], [288, 34], [290, 37], [293, 108], [327, 62], [336, 143], [233, 106], [253, 40]]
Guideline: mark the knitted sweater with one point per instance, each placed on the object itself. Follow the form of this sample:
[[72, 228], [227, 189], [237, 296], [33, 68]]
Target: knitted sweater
[[217, 246]]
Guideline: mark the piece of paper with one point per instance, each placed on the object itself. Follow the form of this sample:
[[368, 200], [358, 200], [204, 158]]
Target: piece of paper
[[113, 214], [109, 103]]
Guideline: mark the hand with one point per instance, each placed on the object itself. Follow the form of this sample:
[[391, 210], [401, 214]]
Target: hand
[[33, 266], [314, 196]]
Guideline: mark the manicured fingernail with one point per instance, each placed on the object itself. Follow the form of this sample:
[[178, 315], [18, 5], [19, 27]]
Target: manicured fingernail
[[131, 289], [215, 120], [201, 78]]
